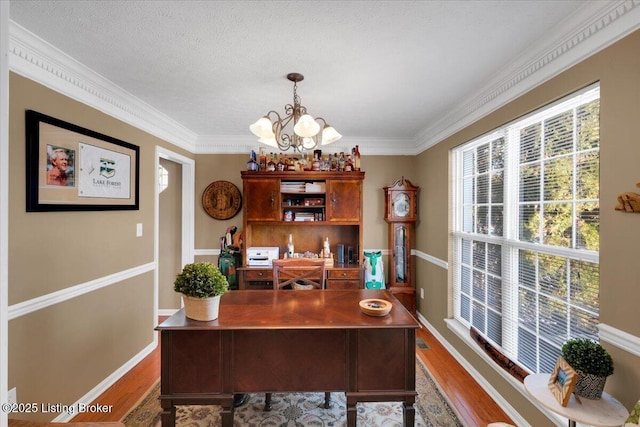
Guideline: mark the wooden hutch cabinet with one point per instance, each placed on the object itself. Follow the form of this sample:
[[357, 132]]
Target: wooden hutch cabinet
[[311, 207]]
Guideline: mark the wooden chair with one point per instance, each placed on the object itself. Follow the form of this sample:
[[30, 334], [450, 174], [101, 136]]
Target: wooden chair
[[298, 274]]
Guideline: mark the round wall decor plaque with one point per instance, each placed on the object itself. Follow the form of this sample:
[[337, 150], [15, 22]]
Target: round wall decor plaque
[[221, 200]]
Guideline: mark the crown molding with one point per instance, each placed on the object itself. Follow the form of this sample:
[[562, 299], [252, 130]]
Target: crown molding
[[596, 26], [38, 60], [234, 144], [593, 28]]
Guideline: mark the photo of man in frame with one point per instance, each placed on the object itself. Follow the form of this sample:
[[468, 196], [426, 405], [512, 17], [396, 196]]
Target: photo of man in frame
[[60, 166]]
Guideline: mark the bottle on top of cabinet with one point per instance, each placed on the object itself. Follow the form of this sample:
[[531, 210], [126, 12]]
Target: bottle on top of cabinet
[[334, 162], [262, 160], [348, 164], [271, 164], [290, 249]]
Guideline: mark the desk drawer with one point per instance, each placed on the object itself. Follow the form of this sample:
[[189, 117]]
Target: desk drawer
[[345, 278], [266, 274], [343, 273]]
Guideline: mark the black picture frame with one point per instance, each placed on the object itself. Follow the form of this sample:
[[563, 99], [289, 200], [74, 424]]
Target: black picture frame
[[71, 168]]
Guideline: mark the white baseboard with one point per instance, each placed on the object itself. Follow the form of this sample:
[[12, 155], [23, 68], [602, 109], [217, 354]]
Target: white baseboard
[[106, 383], [486, 385]]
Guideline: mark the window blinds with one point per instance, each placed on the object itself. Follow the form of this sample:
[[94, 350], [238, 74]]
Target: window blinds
[[526, 231]]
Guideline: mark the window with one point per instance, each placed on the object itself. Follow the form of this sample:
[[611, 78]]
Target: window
[[163, 178], [526, 231]]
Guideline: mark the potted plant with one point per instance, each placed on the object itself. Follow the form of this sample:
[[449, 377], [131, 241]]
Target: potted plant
[[201, 285], [592, 363]]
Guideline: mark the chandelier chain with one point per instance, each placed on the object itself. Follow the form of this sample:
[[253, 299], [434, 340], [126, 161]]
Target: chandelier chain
[[296, 98]]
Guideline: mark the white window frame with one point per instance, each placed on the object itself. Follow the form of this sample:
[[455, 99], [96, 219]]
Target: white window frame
[[509, 239]]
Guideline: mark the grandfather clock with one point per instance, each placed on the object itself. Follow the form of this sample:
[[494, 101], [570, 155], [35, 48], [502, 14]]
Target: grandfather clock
[[401, 213]]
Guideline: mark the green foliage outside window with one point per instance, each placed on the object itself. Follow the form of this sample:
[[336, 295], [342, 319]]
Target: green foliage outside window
[[557, 188]]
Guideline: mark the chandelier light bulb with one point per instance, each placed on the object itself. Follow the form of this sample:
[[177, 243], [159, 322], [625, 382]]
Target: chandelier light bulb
[[329, 135], [262, 128], [308, 143], [306, 126]]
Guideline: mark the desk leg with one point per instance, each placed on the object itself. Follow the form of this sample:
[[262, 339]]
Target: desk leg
[[227, 416], [409, 414], [168, 416], [572, 423], [267, 402], [352, 415]]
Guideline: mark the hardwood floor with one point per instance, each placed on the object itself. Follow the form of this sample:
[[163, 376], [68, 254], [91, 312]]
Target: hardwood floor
[[474, 405]]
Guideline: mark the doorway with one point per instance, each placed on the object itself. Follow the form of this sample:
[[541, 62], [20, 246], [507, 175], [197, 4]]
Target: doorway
[[174, 225]]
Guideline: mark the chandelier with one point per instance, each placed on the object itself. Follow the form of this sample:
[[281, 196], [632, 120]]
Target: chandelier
[[305, 135]]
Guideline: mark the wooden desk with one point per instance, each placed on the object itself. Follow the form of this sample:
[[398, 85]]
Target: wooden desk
[[604, 412], [289, 341]]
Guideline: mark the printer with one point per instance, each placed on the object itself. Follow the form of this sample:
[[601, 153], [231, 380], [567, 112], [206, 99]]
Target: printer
[[261, 256]]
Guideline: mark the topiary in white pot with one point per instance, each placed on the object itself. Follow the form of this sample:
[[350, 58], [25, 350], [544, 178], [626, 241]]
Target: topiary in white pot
[[592, 363], [201, 285]]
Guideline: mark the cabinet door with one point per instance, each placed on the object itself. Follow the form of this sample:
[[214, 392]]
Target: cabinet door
[[344, 200], [261, 199]]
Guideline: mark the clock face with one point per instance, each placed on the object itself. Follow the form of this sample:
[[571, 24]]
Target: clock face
[[401, 205]]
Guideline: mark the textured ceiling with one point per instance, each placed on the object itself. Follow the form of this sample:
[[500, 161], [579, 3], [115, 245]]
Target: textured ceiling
[[373, 69]]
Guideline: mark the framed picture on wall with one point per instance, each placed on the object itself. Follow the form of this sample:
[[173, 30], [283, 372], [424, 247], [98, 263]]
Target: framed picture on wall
[[70, 168], [562, 381]]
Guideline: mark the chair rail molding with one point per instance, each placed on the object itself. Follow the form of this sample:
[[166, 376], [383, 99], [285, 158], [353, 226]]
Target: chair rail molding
[[621, 339], [29, 306], [430, 258]]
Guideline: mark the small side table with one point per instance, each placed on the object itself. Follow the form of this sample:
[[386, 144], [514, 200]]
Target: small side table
[[604, 412]]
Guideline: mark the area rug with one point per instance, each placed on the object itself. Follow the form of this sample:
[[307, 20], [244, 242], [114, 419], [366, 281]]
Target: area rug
[[304, 410]]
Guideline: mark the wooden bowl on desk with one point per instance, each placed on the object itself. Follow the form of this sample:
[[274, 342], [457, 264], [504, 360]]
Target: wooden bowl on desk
[[375, 307]]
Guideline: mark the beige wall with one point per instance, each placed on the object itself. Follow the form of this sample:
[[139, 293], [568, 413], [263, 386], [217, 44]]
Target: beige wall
[[618, 70], [60, 353], [210, 168], [381, 171]]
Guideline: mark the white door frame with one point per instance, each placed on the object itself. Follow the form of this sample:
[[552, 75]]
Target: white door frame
[[4, 202], [188, 215]]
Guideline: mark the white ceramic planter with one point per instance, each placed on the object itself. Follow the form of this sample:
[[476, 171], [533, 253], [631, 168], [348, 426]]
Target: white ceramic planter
[[204, 309]]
